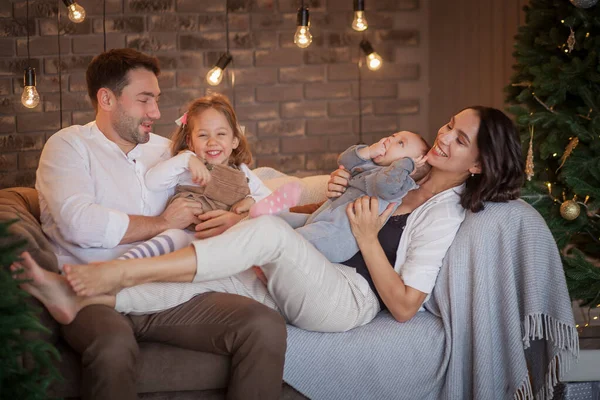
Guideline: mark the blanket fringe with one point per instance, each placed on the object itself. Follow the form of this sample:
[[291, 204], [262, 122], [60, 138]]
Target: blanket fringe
[[564, 338]]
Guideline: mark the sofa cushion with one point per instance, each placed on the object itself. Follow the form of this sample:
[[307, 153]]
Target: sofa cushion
[[22, 204]]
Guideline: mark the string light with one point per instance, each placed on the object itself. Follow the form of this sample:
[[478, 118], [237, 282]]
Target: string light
[[30, 97], [360, 21], [215, 75], [76, 12], [303, 37], [374, 61]]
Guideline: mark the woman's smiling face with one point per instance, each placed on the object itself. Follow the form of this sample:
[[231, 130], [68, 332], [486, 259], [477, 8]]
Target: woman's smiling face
[[455, 148]]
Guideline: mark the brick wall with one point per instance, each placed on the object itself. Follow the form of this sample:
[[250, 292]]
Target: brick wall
[[300, 106]]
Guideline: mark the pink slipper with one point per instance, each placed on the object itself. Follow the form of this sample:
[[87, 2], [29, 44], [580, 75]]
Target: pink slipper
[[283, 198]]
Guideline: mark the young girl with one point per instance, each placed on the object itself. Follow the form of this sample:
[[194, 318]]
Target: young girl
[[210, 157], [209, 165]]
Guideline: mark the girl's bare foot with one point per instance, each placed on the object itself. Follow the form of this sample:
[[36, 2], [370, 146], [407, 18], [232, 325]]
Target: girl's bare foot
[[48, 287], [94, 279]]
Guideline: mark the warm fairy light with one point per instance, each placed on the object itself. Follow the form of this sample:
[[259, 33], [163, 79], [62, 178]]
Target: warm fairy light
[[549, 188], [586, 199], [587, 35], [76, 12], [562, 21], [359, 23], [577, 326], [595, 317], [555, 154]]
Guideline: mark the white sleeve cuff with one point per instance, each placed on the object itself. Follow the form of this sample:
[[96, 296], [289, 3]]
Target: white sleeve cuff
[[117, 225]]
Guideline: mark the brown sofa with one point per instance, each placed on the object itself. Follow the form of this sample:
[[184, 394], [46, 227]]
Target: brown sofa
[[164, 372]]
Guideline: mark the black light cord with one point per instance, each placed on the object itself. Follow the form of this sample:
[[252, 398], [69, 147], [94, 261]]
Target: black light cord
[[104, 22], [227, 25], [231, 71], [28, 54], [59, 66], [360, 139]]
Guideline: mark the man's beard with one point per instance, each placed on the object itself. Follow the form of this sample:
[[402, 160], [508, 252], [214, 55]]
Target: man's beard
[[128, 128]]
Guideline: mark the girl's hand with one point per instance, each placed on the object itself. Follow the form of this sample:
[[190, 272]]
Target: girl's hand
[[365, 221], [243, 206], [200, 174], [338, 182]]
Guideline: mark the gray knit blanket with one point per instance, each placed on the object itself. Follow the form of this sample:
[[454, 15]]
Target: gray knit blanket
[[498, 325]]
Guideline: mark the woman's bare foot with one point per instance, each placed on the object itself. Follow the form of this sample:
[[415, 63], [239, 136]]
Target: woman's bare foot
[[48, 287], [94, 279]]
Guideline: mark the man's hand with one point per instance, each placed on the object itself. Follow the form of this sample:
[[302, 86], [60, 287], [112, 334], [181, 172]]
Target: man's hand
[[338, 182], [200, 174], [216, 222], [243, 206], [181, 213]]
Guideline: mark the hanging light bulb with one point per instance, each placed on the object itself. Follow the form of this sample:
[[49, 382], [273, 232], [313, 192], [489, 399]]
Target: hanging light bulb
[[30, 97], [76, 12], [374, 60], [360, 21], [303, 37], [215, 75]]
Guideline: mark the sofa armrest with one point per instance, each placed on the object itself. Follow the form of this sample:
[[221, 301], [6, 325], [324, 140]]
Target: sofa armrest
[[313, 187]]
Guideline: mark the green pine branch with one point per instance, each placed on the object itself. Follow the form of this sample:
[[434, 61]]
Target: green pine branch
[[16, 317], [557, 92]]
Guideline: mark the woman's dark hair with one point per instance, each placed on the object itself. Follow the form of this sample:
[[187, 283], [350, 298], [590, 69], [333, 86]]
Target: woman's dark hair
[[109, 70], [501, 160]]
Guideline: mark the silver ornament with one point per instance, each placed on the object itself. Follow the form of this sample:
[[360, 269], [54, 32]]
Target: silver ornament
[[584, 3]]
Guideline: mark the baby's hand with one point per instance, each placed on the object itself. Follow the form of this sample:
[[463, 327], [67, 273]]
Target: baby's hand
[[419, 163], [377, 149], [200, 174], [243, 206]]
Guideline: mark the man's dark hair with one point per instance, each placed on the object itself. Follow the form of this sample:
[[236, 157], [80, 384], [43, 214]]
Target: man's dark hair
[[109, 70], [500, 156]]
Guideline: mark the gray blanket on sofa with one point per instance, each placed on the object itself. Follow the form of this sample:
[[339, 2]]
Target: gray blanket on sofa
[[499, 315]]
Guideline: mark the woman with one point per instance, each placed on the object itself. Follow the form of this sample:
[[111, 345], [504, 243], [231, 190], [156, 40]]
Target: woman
[[476, 157]]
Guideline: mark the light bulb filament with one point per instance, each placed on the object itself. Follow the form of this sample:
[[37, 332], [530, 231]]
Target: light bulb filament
[[30, 97], [360, 21]]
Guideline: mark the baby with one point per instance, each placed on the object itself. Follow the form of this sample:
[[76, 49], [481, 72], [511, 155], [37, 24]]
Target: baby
[[387, 170]]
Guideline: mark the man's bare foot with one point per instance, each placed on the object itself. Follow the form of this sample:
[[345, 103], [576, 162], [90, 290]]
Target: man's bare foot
[[48, 287], [94, 279]]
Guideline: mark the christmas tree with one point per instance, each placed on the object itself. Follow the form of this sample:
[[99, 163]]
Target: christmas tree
[[555, 97], [16, 317]]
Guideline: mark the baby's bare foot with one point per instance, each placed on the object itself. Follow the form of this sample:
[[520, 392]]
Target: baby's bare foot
[[94, 279], [48, 287]]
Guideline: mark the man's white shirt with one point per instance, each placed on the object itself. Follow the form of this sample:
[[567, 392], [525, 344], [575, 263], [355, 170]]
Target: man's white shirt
[[88, 186]]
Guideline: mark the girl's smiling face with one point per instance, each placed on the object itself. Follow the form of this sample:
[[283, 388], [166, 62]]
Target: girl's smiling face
[[212, 137]]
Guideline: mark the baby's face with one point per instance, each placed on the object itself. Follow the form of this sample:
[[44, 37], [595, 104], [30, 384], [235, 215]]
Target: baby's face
[[400, 145]]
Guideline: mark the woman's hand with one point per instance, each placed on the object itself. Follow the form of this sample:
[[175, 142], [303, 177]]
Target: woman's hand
[[200, 174], [364, 218], [216, 222], [338, 182]]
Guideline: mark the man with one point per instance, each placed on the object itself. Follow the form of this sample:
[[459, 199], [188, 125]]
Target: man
[[94, 205]]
